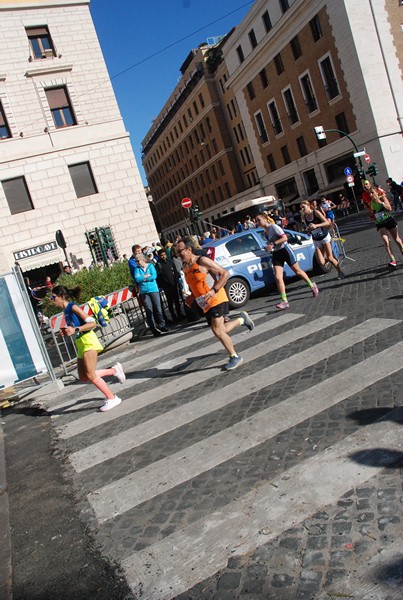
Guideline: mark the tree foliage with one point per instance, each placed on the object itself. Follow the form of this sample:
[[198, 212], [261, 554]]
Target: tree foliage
[[100, 281]]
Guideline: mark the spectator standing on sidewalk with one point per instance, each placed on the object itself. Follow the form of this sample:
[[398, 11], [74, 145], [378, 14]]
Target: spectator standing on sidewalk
[[145, 275], [206, 280], [396, 192], [168, 280], [283, 253], [328, 207], [80, 325], [344, 205]]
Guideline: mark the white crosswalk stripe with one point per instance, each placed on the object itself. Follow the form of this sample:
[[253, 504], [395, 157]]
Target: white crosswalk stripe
[[178, 562], [175, 563], [135, 436], [200, 349], [119, 496], [143, 399]]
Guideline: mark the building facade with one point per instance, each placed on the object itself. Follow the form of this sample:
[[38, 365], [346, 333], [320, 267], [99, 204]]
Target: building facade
[[291, 66], [193, 148], [294, 65], [66, 161]]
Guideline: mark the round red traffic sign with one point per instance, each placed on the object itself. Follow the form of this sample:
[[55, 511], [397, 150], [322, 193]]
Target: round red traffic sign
[[186, 202], [349, 178], [367, 158]]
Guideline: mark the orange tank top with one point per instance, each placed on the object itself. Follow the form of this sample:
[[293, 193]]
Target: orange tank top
[[200, 283]]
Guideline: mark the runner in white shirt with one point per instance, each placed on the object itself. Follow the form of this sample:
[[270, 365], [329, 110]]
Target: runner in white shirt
[[283, 253]]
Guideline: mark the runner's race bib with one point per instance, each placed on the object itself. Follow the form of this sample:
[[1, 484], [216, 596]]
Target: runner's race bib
[[202, 302]]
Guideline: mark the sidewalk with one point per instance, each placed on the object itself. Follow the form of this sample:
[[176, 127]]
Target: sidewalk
[[5, 540], [53, 556]]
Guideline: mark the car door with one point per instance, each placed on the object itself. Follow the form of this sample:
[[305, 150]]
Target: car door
[[249, 259]]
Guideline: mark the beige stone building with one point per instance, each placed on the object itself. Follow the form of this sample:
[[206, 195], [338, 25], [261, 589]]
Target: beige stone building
[[289, 66], [66, 161]]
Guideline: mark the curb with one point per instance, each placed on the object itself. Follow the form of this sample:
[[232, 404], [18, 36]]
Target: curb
[[5, 538]]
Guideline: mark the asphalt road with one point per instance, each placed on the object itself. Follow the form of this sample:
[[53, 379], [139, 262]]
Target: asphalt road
[[279, 480]]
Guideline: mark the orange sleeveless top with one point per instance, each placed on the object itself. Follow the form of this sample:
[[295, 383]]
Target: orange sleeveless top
[[201, 283]]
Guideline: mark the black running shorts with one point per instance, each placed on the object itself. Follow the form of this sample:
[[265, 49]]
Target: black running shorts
[[217, 311], [390, 223]]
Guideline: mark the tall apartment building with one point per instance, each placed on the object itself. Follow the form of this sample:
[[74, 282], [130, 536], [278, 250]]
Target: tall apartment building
[[289, 66], [192, 149], [66, 162], [297, 64]]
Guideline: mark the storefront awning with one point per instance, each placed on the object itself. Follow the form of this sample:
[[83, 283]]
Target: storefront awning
[[337, 184], [287, 200], [36, 262]]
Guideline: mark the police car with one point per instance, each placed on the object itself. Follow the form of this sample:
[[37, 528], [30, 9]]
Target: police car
[[249, 264]]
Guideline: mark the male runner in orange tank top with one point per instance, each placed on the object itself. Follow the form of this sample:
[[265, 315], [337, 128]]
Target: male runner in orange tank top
[[206, 281]]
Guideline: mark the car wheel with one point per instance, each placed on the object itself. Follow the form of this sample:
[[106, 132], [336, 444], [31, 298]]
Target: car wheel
[[238, 292], [321, 269]]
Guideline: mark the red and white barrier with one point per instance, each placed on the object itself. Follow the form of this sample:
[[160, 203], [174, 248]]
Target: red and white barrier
[[114, 298]]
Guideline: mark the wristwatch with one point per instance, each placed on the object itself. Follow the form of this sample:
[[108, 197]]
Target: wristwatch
[[77, 330], [215, 290]]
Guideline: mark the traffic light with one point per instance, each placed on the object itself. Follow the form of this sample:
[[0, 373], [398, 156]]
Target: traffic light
[[361, 172], [93, 243], [372, 170], [91, 239], [196, 213], [107, 237]]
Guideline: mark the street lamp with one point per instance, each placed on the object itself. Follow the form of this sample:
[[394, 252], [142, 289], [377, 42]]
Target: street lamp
[[321, 135]]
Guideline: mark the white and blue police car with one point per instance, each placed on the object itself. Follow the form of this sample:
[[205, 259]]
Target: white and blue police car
[[249, 264]]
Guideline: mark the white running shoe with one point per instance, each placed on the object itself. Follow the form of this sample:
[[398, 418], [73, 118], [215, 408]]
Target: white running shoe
[[110, 404], [119, 373]]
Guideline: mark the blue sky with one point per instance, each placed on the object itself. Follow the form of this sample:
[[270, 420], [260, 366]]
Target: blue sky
[[131, 31]]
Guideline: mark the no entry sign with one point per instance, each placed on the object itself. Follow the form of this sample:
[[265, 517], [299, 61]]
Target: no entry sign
[[186, 202]]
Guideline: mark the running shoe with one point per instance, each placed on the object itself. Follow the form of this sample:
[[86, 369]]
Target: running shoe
[[110, 404], [247, 321], [341, 275], [233, 363], [119, 373], [315, 290], [392, 264], [282, 305]]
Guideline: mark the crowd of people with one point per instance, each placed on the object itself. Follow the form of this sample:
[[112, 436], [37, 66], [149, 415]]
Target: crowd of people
[[194, 285]]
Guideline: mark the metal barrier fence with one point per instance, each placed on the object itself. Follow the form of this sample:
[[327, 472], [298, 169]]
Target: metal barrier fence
[[339, 241], [128, 319]]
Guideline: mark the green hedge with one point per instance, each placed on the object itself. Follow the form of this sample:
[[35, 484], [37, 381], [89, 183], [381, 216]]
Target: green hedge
[[97, 282]]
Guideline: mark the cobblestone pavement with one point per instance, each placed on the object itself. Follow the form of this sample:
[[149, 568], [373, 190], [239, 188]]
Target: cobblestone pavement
[[282, 479]]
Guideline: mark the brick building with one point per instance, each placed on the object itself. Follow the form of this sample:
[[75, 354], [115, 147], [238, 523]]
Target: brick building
[[294, 65], [66, 162], [289, 66]]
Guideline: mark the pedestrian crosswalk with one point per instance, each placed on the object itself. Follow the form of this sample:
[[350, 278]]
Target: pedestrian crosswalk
[[153, 445]]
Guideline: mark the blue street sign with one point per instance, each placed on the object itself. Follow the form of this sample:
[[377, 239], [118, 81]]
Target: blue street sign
[[348, 171]]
